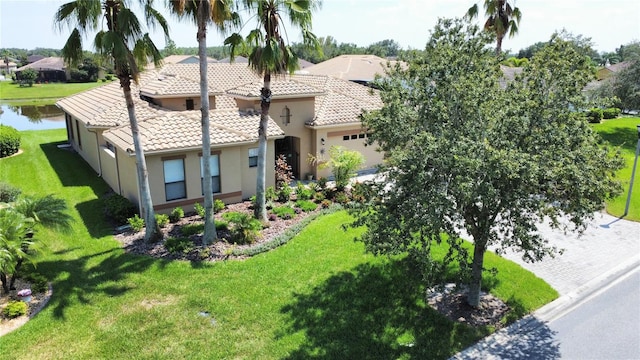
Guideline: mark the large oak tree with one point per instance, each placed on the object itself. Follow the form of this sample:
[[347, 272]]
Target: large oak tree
[[469, 154]]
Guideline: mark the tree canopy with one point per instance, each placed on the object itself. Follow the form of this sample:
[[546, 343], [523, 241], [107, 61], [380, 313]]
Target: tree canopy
[[468, 155]]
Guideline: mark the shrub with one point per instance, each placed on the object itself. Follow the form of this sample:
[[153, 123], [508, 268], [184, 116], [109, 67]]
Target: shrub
[[270, 194], [199, 209], [284, 211], [284, 193], [162, 219], [9, 141], [119, 208], [8, 193], [322, 183], [325, 203], [38, 282], [594, 115], [221, 225], [245, 229], [136, 223], [343, 163], [319, 196], [176, 214], [610, 113], [15, 309], [218, 205], [108, 77], [176, 245], [192, 229], [306, 205], [341, 198], [303, 192]]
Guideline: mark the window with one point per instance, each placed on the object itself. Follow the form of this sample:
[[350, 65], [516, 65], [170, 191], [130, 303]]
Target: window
[[78, 133], [354, 136], [361, 136], [286, 116], [190, 105], [345, 138], [174, 182], [253, 157], [214, 163], [110, 147]]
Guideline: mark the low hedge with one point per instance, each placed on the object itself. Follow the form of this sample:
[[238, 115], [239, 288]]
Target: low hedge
[[9, 141]]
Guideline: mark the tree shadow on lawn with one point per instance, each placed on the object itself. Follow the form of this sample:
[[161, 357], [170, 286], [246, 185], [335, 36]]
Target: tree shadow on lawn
[[80, 278], [376, 311], [624, 137], [73, 171]]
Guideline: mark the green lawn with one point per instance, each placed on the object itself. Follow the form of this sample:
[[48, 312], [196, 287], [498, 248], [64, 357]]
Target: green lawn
[[623, 134], [318, 296], [41, 92]]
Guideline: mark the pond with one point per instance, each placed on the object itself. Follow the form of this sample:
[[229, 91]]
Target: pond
[[32, 117]]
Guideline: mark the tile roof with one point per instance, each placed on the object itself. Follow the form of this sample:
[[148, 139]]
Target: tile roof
[[49, 63], [337, 102], [180, 130], [285, 87], [350, 67]]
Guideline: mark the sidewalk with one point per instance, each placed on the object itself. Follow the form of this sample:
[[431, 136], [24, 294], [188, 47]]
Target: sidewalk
[[609, 248]]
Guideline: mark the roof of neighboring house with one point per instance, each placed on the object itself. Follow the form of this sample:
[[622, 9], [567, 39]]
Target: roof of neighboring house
[[34, 58], [361, 68], [619, 66], [50, 63], [185, 59]]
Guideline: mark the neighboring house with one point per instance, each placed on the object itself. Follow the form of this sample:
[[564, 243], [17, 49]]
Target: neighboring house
[[610, 70], [9, 68], [34, 58], [51, 69], [360, 69], [185, 59], [308, 114]]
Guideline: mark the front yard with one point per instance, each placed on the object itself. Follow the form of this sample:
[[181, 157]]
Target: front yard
[[318, 296]]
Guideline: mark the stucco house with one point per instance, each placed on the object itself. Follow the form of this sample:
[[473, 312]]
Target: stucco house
[[308, 114], [50, 69]]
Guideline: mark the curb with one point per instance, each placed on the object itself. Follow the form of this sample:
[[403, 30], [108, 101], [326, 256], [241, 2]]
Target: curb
[[553, 310]]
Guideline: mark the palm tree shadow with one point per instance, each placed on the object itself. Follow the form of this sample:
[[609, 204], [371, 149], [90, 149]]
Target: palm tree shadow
[[73, 171], [80, 278], [373, 312]]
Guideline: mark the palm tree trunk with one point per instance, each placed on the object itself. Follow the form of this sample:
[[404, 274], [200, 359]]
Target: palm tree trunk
[[209, 224], [152, 230], [5, 284], [260, 206], [499, 44]]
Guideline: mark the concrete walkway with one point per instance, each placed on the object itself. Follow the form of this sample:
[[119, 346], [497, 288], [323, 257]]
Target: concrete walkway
[[609, 248]]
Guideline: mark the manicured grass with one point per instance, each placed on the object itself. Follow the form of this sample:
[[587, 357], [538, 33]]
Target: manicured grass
[[623, 134], [318, 296], [40, 92]]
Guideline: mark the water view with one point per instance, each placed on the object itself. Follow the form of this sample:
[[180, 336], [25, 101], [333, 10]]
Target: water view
[[32, 117]]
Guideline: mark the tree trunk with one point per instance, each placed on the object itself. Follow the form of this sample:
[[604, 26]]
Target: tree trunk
[[152, 230], [5, 284], [473, 296], [209, 224], [12, 285], [260, 206], [499, 44]]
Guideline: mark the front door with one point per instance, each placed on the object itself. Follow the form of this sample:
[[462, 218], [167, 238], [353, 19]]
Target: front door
[[290, 148]]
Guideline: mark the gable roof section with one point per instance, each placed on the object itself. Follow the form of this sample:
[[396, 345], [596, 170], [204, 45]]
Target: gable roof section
[[105, 105], [361, 68], [50, 63], [280, 88], [181, 130], [170, 85]]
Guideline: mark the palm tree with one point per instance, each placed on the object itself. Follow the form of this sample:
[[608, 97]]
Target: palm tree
[[502, 18], [17, 227], [269, 54], [130, 49], [202, 12]]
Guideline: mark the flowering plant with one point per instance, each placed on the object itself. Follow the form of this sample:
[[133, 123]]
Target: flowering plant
[[24, 292]]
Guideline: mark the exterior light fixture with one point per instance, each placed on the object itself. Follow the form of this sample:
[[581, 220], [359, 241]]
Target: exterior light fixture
[[322, 139]]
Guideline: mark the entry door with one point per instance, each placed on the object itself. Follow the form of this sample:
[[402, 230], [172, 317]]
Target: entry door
[[290, 148]]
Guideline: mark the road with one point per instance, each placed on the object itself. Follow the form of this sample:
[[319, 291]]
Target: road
[[604, 326]]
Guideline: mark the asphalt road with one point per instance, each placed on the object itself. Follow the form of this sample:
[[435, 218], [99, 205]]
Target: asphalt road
[[604, 326]]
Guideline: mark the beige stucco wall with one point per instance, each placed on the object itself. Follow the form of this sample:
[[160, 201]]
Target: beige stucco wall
[[85, 142], [334, 136], [109, 171], [237, 180]]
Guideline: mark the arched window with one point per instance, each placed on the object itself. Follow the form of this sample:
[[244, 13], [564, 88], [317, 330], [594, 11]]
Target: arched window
[[286, 116]]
